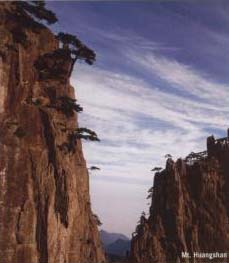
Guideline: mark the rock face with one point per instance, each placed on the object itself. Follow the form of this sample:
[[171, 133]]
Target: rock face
[[189, 210], [45, 212]]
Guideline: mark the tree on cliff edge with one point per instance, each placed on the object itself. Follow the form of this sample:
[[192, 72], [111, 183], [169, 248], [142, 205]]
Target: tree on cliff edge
[[26, 16], [38, 10], [77, 49]]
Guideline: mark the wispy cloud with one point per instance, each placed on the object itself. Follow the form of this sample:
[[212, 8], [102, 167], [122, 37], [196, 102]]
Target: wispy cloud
[[138, 122], [186, 79], [150, 93], [160, 85]]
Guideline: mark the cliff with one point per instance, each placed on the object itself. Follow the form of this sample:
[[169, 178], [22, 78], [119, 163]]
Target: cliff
[[45, 212], [189, 210]]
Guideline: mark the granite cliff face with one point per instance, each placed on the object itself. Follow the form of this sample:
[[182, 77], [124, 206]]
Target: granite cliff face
[[45, 212], [189, 210]]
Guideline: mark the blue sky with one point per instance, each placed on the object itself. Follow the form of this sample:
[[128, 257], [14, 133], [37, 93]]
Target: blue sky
[[160, 85]]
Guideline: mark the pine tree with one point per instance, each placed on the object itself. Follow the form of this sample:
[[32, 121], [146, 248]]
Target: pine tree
[[77, 48], [38, 10]]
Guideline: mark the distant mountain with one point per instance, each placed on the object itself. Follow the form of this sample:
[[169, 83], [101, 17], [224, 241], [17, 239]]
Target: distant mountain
[[119, 247], [115, 244], [117, 259], [108, 238]]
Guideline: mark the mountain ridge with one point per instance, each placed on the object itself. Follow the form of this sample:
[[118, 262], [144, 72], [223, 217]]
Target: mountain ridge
[[110, 237], [189, 209]]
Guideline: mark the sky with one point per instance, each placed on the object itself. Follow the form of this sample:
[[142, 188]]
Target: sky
[[160, 85]]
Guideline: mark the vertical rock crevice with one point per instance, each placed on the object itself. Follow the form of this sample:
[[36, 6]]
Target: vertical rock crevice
[[61, 192], [41, 203], [18, 223]]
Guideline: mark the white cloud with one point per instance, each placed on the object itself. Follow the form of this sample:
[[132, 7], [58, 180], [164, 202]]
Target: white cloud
[[185, 79], [138, 123]]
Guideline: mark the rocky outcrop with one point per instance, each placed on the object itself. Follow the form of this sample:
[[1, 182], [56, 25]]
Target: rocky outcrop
[[189, 210], [45, 211]]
